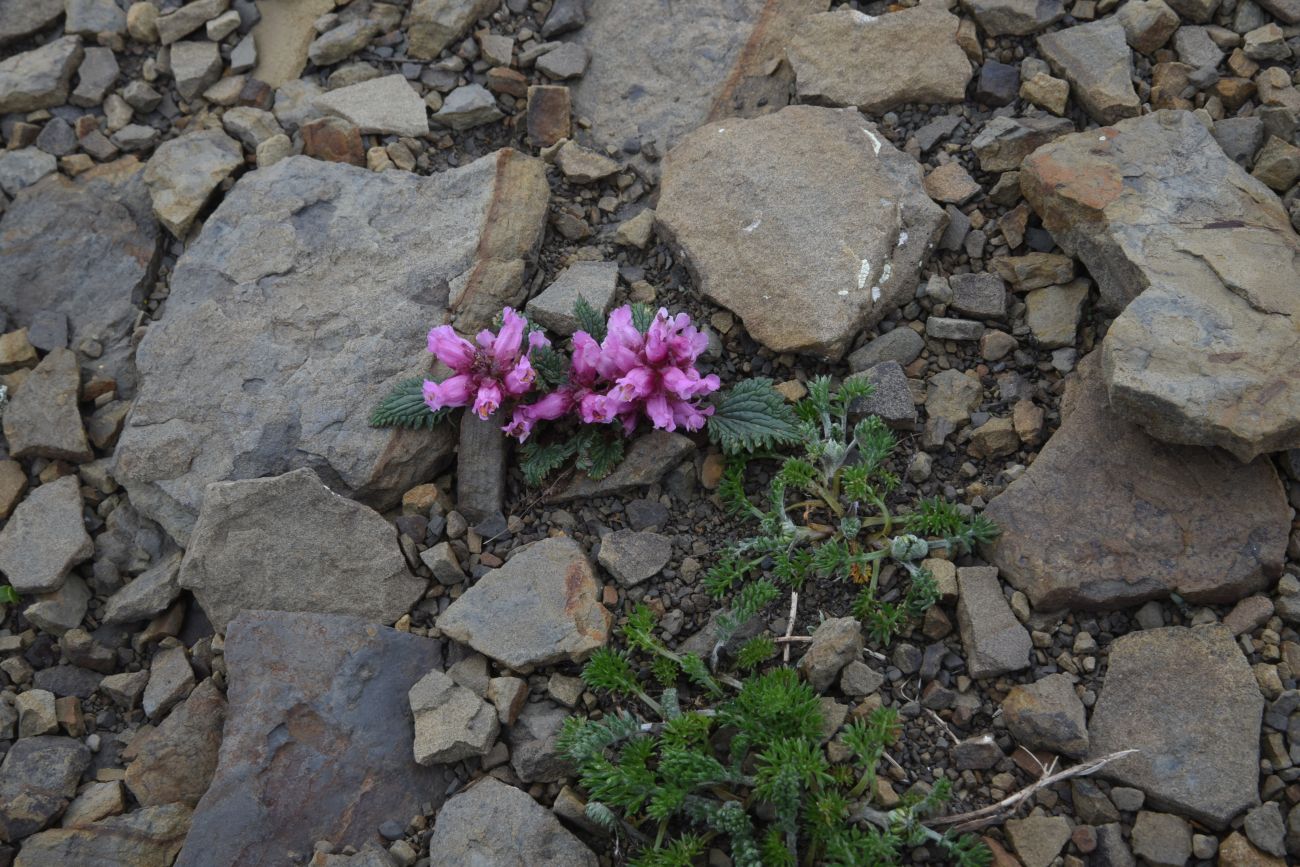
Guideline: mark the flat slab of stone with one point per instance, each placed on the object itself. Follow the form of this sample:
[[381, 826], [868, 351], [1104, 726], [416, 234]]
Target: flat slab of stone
[[37, 780], [548, 595], [594, 282], [306, 267], [1208, 354], [995, 641], [87, 248], [1014, 17], [659, 69], [1187, 701], [148, 837], [317, 705], [828, 244], [289, 543], [44, 538], [19, 18], [43, 418], [380, 105], [39, 78], [879, 63], [648, 459], [1107, 517], [184, 171], [492, 824], [1096, 60], [174, 763], [451, 722]]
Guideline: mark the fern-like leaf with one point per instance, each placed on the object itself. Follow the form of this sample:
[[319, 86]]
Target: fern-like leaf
[[589, 319], [643, 316], [537, 462], [405, 407], [599, 455], [750, 416]]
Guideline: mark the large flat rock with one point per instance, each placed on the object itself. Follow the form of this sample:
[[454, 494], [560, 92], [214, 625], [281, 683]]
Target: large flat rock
[[1187, 701], [318, 739], [807, 223], [1108, 517], [306, 296], [660, 68], [1208, 353], [492, 824], [89, 249]]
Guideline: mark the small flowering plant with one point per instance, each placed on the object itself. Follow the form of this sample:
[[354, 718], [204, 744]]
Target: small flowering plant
[[637, 364]]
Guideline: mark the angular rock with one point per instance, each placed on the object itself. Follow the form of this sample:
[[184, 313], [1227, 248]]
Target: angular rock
[[181, 22], [468, 106], [255, 540], [1148, 24], [37, 780], [451, 723], [522, 831], [221, 401], [902, 345], [45, 538], [594, 282], [334, 140], [835, 643], [96, 76], [1004, 142], [195, 66], [1162, 840], [42, 419], [125, 689], [534, 754], [876, 64], [435, 24], [1047, 715], [96, 801], [776, 253], [480, 468], [174, 763], [995, 641], [548, 594], [39, 78], [649, 459], [1096, 60], [548, 114], [1053, 312], [1187, 701], [19, 18], [36, 713], [982, 296], [342, 42], [582, 165], [21, 168], [1038, 839], [170, 680], [317, 703], [147, 595], [91, 17], [149, 837], [1014, 17], [380, 105], [1107, 517], [891, 398], [252, 126], [632, 557], [566, 60], [62, 609], [1205, 355]]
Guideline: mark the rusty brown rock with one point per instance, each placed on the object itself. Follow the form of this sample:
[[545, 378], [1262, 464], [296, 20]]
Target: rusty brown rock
[[174, 763], [548, 114], [334, 140]]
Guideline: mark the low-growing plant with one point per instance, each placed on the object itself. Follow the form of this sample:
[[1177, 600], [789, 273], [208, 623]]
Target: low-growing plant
[[8, 595], [743, 768]]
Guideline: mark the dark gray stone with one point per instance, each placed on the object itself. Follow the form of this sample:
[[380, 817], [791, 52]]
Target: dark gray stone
[[892, 397], [37, 780], [481, 467], [995, 641], [534, 755]]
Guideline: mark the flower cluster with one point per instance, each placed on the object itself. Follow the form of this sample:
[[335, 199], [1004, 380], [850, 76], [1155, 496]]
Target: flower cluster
[[631, 373]]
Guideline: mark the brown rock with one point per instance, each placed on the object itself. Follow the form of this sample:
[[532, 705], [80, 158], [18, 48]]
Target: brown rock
[[43, 420], [1236, 851], [17, 352], [13, 482], [150, 837], [333, 139], [175, 762], [548, 114]]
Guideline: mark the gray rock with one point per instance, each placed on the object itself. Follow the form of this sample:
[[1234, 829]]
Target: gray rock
[[441, 560], [1265, 829], [44, 538], [632, 557], [148, 594], [36, 713], [68, 680], [1147, 24], [1129, 519], [96, 76], [380, 105], [42, 419], [21, 168], [251, 126], [1196, 48], [565, 16], [59, 139], [1284, 10], [481, 468], [340, 43], [435, 24], [39, 78], [1047, 715], [522, 831], [859, 679], [195, 66], [295, 103], [902, 345], [982, 295], [1228, 288], [468, 106], [243, 56], [947, 328], [91, 17], [37, 780], [594, 282], [1004, 142], [534, 755], [318, 703], [183, 21], [1014, 17], [1111, 850], [60, 610], [135, 137], [951, 396], [773, 253], [565, 61], [220, 401], [19, 18], [548, 594], [256, 539], [1187, 701], [836, 642], [125, 689], [175, 762], [149, 837], [582, 165], [170, 679], [451, 723], [832, 58], [979, 753], [1091, 805], [1038, 839], [995, 642], [1053, 313], [1096, 60], [650, 458], [891, 398]]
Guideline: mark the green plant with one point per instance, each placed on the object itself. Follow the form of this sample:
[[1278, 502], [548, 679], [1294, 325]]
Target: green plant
[[744, 769], [825, 515], [8, 595]]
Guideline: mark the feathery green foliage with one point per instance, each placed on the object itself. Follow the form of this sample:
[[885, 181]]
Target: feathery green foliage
[[597, 451], [751, 416], [405, 407], [590, 319]]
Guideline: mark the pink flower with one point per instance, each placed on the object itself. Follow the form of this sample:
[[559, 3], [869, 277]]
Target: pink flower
[[550, 407], [487, 374]]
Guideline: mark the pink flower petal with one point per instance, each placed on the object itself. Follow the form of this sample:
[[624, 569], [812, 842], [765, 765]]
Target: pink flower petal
[[488, 399], [451, 349], [454, 391], [509, 339], [520, 379]]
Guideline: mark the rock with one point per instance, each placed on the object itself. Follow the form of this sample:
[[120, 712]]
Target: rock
[[1053, 313], [891, 398], [548, 114], [342, 42], [181, 22], [519, 825], [317, 703], [1014, 17], [36, 713], [650, 457], [1047, 715], [1038, 839], [658, 71], [902, 345], [951, 396], [1265, 829], [435, 24], [195, 66], [45, 538], [91, 17], [37, 780], [62, 609], [996, 438], [1220, 377], [566, 60], [1147, 24], [244, 55], [252, 126], [94, 802], [255, 539], [1236, 851], [334, 140], [1034, 270], [149, 837], [451, 723], [549, 595], [950, 183], [583, 166], [1046, 92], [39, 78], [594, 282], [998, 84], [1278, 164], [380, 105], [534, 753], [96, 76], [831, 56], [1172, 518], [1284, 10], [170, 680], [1004, 142], [835, 643], [42, 419], [980, 753], [184, 171], [1096, 60], [125, 689], [982, 296], [859, 679], [293, 411], [13, 484], [995, 642], [632, 557], [1188, 702], [21, 168], [19, 18], [174, 763], [468, 106], [767, 251], [441, 560]]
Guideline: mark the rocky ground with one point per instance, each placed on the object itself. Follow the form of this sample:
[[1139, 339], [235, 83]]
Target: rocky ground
[[252, 629]]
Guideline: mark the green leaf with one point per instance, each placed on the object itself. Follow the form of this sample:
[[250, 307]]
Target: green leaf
[[750, 416], [755, 652], [552, 367], [589, 319], [610, 669], [537, 461], [643, 316], [8, 594], [600, 454], [405, 407]]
